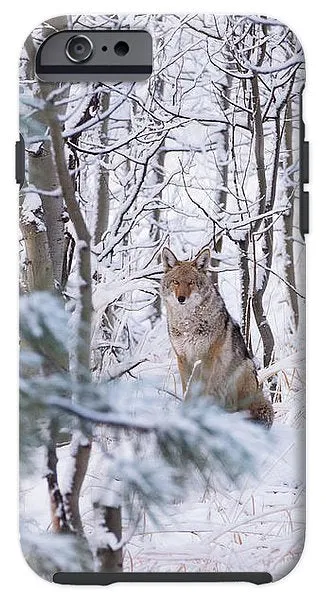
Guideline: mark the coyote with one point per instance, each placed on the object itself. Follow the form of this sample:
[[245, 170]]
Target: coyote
[[208, 344]]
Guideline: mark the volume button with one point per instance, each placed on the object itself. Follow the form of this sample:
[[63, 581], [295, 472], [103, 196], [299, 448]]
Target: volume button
[[305, 162], [304, 213], [20, 161]]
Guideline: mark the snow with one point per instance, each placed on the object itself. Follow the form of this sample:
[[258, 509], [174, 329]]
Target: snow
[[31, 205], [59, 553], [42, 312], [257, 527], [256, 524]]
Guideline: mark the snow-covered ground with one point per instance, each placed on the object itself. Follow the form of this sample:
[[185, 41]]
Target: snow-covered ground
[[255, 526]]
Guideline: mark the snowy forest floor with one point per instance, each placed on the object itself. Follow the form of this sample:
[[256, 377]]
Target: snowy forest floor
[[255, 526]]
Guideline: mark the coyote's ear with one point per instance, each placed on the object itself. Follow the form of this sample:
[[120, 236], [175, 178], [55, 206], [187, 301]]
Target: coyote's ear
[[201, 261], [168, 259]]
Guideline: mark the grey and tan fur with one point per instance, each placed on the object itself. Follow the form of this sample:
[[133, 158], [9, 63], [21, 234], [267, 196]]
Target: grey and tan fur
[[208, 343]]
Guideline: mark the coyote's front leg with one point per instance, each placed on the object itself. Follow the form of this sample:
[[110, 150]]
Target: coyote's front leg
[[184, 372], [189, 374]]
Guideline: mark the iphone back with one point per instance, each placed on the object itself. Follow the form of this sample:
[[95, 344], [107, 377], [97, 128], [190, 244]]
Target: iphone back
[[162, 165]]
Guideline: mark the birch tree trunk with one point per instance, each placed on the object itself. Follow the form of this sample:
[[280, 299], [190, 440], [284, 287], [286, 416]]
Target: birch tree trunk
[[48, 171], [221, 195], [80, 451], [154, 230], [39, 268], [45, 256], [42, 172], [42, 175]]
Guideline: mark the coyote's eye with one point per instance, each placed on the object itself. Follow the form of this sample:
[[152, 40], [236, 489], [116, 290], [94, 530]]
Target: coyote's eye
[[175, 282]]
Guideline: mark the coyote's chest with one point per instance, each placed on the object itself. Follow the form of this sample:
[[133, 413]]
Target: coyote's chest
[[191, 338]]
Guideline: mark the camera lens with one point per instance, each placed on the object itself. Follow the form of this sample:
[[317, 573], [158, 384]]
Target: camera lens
[[79, 48], [121, 48]]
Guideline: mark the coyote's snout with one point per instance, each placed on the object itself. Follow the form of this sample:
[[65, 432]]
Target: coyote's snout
[[203, 333]]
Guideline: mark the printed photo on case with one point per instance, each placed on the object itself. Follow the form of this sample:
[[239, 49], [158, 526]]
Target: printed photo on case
[[162, 317]]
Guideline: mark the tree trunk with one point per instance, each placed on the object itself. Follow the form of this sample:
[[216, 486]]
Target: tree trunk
[[258, 293], [80, 452], [259, 146], [288, 220], [245, 290], [39, 269], [102, 208], [58, 513], [221, 195], [42, 172], [154, 231], [42, 175], [110, 558]]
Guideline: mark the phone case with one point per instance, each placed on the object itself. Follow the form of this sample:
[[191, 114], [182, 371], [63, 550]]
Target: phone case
[[162, 281]]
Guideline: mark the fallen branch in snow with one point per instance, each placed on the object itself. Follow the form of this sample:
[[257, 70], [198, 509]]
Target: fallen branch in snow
[[289, 362]]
